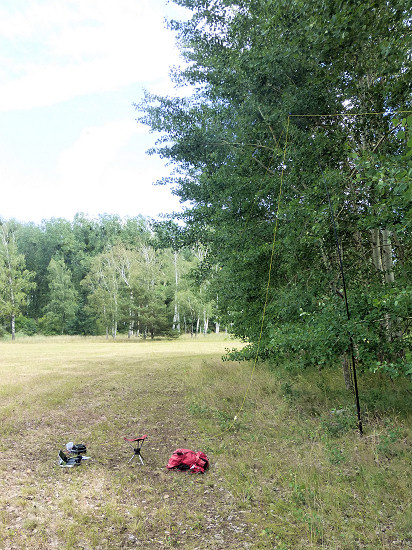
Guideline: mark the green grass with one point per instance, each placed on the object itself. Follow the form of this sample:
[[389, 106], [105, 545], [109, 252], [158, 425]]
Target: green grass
[[291, 472]]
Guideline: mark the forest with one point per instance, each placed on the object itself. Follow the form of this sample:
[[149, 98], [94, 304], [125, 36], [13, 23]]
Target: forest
[[293, 152], [98, 276]]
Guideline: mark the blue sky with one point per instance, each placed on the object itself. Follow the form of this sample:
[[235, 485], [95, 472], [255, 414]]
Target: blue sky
[[70, 71]]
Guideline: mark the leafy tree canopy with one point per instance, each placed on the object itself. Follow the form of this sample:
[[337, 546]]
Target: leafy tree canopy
[[247, 163]]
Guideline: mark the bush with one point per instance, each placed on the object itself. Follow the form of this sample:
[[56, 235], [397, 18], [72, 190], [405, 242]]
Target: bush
[[48, 325], [27, 326]]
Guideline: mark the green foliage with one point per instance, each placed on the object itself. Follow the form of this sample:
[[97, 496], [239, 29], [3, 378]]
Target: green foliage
[[339, 422], [26, 325], [102, 276], [49, 324], [62, 307], [16, 282], [390, 442], [250, 66]]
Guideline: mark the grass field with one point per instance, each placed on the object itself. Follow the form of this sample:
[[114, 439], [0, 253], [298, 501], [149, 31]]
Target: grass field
[[290, 473]]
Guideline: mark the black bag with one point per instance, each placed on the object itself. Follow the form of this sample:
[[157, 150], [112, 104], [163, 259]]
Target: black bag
[[78, 449]]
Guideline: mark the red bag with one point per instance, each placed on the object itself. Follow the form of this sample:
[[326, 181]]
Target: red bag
[[185, 459]]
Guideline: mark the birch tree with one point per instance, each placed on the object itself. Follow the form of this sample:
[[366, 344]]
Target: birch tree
[[104, 283], [16, 282], [63, 298]]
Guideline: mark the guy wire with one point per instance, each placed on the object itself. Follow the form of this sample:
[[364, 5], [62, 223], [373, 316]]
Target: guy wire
[[355, 383], [349, 114], [267, 286]]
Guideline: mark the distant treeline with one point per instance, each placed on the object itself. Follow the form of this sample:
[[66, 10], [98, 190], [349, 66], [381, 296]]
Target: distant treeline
[[99, 276]]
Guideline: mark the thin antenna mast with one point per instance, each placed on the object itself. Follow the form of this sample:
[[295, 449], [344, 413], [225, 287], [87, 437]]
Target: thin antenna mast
[[352, 348]]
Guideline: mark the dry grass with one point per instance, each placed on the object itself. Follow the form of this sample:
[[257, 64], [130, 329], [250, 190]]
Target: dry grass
[[289, 474]]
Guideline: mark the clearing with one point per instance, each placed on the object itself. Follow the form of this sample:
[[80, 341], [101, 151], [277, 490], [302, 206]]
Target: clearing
[[291, 473]]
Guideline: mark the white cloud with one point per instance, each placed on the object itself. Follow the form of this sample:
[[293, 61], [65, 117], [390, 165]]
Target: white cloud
[[93, 176], [78, 47], [129, 192], [97, 147], [96, 175], [52, 51], [25, 196], [35, 18]]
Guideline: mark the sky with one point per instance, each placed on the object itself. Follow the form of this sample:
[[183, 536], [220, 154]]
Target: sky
[[70, 71]]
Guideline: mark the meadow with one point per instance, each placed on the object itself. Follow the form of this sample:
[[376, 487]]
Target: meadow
[[288, 468]]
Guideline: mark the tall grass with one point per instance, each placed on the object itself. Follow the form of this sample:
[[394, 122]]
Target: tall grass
[[299, 457]]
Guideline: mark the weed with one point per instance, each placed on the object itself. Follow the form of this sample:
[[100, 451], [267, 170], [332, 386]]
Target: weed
[[388, 442], [281, 545], [287, 391], [93, 536], [339, 421], [335, 453], [68, 534], [198, 410], [299, 492], [30, 524], [225, 420]]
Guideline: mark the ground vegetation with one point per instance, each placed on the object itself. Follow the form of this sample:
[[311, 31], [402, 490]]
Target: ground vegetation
[[291, 473]]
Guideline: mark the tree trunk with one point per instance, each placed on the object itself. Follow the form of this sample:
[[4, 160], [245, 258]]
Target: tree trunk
[[382, 258], [347, 373], [176, 317], [387, 257], [131, 321], [13, 327], [376, 249], [217, 324]]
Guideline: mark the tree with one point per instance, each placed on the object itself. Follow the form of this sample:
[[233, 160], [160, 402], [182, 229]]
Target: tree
[[29, 239], [153, 290], [247, 167], [130, 288], [103, 283], [16, 282], [62, 307], [192, 294]]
